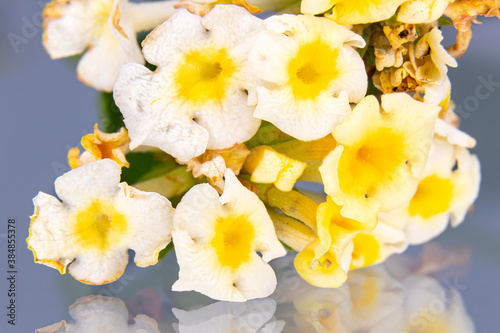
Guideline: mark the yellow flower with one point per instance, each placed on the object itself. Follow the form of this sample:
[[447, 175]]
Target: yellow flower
[[374, 247], [325, 262], [266, 166], [353, 12], [310, 72], [344, 244], [99, 146], [197, 99], [217, 239], [105, 28], [90, 232], [381, 153], [422, 11], [443, 194], [101, 314]]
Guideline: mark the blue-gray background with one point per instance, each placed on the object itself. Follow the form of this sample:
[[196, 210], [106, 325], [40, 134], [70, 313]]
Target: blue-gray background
[[45, 110]]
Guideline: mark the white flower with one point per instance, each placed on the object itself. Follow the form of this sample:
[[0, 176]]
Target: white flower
[[101, 314], [98, 221], [217, 239], [251, 316], [105, 28], [311, 72], [443, 194], [197, 98]]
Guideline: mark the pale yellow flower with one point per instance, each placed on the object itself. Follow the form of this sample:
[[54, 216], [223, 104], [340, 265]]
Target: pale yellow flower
[[381, 152], [90, 232], [217, 239], [353, 12], [104, 29], [197, 98], [422, 11], [310, 71], [443, 194]]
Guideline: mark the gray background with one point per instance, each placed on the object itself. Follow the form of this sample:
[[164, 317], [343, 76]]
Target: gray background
[[45, 110]]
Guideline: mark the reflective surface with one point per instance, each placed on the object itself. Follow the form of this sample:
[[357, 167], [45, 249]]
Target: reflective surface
[[411, 294]]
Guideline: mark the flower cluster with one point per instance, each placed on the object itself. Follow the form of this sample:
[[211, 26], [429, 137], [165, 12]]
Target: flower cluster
[[227, 113]]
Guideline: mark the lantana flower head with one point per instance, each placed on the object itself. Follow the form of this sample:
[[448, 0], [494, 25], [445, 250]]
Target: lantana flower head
[[197, 98], [352, 12], [310, 72], [105, 29], [101, 314], [217, 239], [443, 194], [90, 232], [100, 145], [381, 152]]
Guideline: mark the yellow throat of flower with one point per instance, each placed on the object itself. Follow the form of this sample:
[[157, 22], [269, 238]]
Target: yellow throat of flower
[[99, 226], [373, 162], [433, 196], [313, 69], [204, 75], [233, 240]]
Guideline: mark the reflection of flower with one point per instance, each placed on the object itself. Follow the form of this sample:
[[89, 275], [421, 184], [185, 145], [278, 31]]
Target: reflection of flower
[[386, 298], [197, 98], [106, 28], [216, 240], [101, 314], [382, 150], [443, 193], [311, 73], [252, 316], [98, 221]]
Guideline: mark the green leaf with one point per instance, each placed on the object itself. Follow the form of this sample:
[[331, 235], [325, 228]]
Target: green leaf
[[166, 250], [444, 21], [268, 134], [148, 165], [288, 248], [111, 119], [393, 19], [372, 90]]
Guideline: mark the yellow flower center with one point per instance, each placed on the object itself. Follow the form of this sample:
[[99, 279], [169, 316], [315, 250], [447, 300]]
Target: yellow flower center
[[233, 240], [99, 226], [102, 11], [366, 250], [204, 76], [433, 196], [313, 69], [364, 167]]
